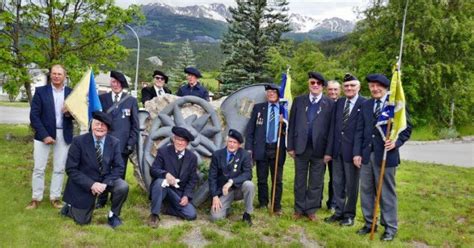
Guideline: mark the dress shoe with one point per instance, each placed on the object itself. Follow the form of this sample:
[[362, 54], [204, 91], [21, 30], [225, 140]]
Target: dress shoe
[[387, 236], [153, 220], [64, 210], [277, 212], [347, 222], [56, 204], [34, 204], [332, 218], [297, 216], [312, 217], [247, 219], [365, 230], [114, 221], [99, 205]]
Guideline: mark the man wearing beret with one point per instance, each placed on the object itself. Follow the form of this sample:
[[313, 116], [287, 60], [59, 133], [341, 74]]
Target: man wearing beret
[[174, 174], [157, 89], [52, 125], [345, 173], [230, 178], [369, 146], [262, 137], [193, 87], [123, 108], [94, 167], [308, 134]]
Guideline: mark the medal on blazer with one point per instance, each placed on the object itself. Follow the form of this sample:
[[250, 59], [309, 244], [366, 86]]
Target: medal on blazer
[[236, 165], [259, 119], [125, 112]]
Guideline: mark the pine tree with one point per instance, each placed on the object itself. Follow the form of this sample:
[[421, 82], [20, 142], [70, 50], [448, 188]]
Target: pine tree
[[255, 26], [185, 59]]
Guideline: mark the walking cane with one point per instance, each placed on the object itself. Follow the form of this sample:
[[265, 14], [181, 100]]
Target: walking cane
[[276, 165]]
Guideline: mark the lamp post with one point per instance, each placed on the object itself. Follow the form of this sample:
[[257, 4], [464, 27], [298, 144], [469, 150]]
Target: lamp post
[[135, 92]]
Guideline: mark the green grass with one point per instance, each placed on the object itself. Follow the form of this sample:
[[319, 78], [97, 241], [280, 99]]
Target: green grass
[[436, 205], [425, 133], [15, 104]]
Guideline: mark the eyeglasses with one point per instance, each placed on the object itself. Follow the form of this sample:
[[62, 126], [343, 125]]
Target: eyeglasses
[[313, 82], [159, 78]]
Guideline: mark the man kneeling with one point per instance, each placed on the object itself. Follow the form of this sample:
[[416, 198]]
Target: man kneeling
[[94, 166], [174, 174], [230, 178]]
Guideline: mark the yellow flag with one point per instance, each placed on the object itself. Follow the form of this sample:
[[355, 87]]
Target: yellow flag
[[287, 93], [397, 100]]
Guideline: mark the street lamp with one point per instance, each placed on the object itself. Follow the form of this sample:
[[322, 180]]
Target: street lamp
[[138, 59]]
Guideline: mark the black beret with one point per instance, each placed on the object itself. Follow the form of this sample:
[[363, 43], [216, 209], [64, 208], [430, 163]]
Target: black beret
[[120, 77], [349, 77], [236, 135], [193, 71], [161, 74], [379, 78], [183, 133], [317, 76], [272, 86], [103, 117]]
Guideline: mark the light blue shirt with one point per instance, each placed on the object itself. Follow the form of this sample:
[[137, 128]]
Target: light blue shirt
[[228, 155], [101, 142], [277, 119], [352, 102], [58, 95], [382, 103]]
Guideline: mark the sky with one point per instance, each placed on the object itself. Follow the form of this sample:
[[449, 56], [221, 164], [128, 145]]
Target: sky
[[318, 9]]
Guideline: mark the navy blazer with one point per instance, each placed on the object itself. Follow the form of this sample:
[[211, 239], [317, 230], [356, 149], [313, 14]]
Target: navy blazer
[[149, 93], [368, 138], [43, 117], [257, 132], [124, 120], [166, 161], [298, 126], [342, 138], [220, 171], [83, 171], [198, 90]]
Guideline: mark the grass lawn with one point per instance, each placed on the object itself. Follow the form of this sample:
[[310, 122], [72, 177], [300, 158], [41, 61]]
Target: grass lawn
[[15, 104], [436, 208]]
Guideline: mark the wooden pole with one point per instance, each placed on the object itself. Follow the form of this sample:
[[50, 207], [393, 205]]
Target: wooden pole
[[277, 156], [379, 187]]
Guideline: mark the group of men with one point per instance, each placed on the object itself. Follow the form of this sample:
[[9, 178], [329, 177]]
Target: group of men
[[323, 131]]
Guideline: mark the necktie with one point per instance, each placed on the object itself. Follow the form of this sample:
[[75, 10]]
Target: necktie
[[313, 100], [98, 153], [346, 112], [231, 157], [116, 98], [179, 154], [160, 92], [378, 109], [271, 127]]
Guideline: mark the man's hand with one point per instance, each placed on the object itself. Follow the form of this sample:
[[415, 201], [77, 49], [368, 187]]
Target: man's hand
[[49, 140], [357, 161], [327, 158], [170, 179], [65, 111], [184, 201], [226, 187], [389, 145], [292, 153], [216, 204], [98, 188]]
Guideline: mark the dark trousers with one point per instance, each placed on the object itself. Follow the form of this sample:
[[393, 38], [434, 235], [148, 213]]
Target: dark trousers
[[102, 199], [159, 195], [330, 203], [309, 180], [265, 166], [369, 179], [119, 194], [346, 187]]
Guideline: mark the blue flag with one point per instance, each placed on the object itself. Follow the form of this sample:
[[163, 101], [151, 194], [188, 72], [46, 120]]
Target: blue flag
[[94, 101]]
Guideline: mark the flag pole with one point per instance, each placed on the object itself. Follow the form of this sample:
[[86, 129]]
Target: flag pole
[[387, 136], [277, 156]]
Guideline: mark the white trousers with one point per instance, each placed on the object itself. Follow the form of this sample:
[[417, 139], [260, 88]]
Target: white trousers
[[41, 154]]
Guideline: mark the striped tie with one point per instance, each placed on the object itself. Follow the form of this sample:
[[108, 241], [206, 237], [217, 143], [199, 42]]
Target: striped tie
[[378, 109], [98, 153], [271, 126], [346, 112]]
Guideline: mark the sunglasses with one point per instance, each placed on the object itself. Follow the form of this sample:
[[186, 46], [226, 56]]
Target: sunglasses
[[159, 78], [313, 82]]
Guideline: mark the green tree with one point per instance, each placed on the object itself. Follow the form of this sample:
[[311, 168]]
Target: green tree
[[185, 59], [255, 26], [76, 33]]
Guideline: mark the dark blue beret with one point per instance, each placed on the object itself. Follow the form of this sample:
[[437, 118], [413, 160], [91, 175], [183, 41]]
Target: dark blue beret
[[120, 77], [236, 135], [379, 78], [183, 133], [192, 71], [349, 77], [272, 86], [161, 74], [317, 76], [103, 117]]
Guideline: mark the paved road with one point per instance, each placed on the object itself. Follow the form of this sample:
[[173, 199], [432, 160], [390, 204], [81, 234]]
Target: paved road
[[14, 115], [448, 153]]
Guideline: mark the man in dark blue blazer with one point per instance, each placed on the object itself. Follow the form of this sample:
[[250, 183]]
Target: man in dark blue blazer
[[308, 133], [230, 178], [193, 87], [94, 166], [124, 111], [52, 125], [369, 146], [345, 173], [174, 174], [157, 89], [261, 142]]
